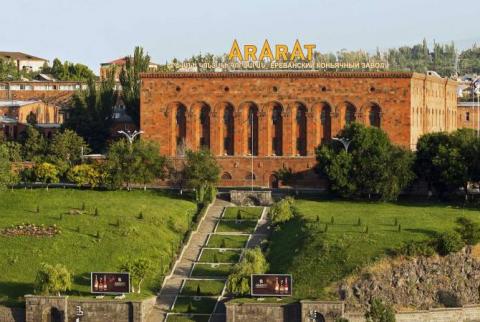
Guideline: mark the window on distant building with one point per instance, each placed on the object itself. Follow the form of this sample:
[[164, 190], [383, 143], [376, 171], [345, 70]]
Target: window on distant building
[[467, 116]]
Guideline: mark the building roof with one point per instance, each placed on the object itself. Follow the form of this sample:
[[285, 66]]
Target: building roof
[[16, 103], [16, 55], [121, 61]]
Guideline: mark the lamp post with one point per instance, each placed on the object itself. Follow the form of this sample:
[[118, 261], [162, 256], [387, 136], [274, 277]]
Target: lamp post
[[345, 142], [130, 136]]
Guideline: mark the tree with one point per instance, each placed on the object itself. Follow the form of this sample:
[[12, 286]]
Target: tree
[[139, 269], [380, 312], [53, 279], [5, 167], [92, 111], [33, 144], [282, 211], [469, 230], [46, 173], [449, 242], [372, 166], [66, 148], [448, 161], [253, 262], [201, 171], [152, 165], [130, 81], [84, 175]]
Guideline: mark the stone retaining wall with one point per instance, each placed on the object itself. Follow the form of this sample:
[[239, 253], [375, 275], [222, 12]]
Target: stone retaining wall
[[62, 308], [12, 314], [307, 311]]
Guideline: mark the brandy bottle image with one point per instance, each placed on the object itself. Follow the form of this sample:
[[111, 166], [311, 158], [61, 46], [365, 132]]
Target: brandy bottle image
[[286, 286], [282, 287], [95, 284], [277, 285], [105, 286], [100, 284]]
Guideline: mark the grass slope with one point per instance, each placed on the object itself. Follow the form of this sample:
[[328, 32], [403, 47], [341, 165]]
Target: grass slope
[[317, 258], [249, 213], [206, 287], [123, 234], [227, 241]]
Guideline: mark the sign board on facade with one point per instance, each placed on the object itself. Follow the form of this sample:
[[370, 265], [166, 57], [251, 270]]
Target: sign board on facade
[[110, 283], [271, 285]]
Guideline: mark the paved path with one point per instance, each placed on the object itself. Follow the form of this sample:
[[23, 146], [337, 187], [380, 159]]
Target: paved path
[[183, 267]]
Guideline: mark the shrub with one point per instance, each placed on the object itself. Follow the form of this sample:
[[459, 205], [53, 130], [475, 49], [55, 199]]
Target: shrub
[[417, 248], [139, 269], [282, 211], [53, 279], [449, 242], [253, 262], [96, 212], [469, 230], [84, 175], [380, 312], [46, 173]]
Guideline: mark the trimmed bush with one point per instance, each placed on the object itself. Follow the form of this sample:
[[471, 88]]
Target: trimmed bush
[[380, 312], [449, 242], [417, 248], [282, 211], [469, 230], [53, 279]]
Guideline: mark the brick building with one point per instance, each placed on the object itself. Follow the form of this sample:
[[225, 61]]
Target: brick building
[[280, 117], [468, 114]]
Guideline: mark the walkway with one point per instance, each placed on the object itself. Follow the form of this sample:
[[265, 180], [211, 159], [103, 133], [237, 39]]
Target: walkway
[[172, 284]]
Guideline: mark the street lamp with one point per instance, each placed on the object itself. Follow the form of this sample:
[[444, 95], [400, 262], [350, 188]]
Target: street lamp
[[346, 142], [130, 136]]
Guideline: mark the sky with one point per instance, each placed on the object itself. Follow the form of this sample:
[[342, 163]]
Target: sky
[[96, 31]]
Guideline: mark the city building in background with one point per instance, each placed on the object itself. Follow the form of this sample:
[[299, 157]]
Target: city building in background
[[24, 62], [119, 65]]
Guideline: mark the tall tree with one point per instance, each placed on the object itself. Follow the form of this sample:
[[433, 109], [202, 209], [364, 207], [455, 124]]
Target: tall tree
[[130, 81], [92, 111], [33, 144], [66, 148]]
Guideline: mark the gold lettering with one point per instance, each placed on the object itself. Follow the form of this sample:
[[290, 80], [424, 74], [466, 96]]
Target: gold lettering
[[250, 52], [235, 52], [310, 49], [266, 51], [281, 52], [297, 52]]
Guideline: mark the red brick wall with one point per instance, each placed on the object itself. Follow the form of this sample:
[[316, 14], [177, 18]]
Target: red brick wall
[[391, 92]]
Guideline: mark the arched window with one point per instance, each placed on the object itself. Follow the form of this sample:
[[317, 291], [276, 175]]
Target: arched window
[[226, 176], [250, 176], [374, 115], [228, 130], [301, 130], [277, 123], [350, 114], [253, 130], [205, 126], [181, 129], [326, 122]]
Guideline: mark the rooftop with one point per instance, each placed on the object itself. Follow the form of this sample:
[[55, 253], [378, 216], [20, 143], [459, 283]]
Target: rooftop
[[16, 55], [16, 103]]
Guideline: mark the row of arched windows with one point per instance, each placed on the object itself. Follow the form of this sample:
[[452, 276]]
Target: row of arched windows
[[275, 122]]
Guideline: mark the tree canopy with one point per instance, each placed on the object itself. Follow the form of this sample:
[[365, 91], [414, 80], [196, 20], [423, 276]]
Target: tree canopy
[[373, 166]]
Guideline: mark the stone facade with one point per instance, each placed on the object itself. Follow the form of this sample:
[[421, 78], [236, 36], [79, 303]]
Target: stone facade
[[12, 314], [325, 311], [281, 117], [63, 309], [468, 115], [251, 198]]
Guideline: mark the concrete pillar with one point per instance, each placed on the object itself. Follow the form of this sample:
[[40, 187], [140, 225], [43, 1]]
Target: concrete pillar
[[312, 131], [264, 132], [288, 135], [240, 135], [216, 133]]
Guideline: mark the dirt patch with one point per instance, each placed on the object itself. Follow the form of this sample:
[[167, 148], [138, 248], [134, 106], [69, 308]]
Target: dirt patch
[[31, 230]]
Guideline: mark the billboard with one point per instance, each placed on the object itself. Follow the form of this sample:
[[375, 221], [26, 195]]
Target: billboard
[[271, 285], [110, 283]]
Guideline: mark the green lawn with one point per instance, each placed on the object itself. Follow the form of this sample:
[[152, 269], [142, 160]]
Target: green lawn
[[233, 226], [204, 305], [122, 235], [250, 213], [220, 256], [226, 241], [207, 287], [188, 318], [317, 258], [212, 270]]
